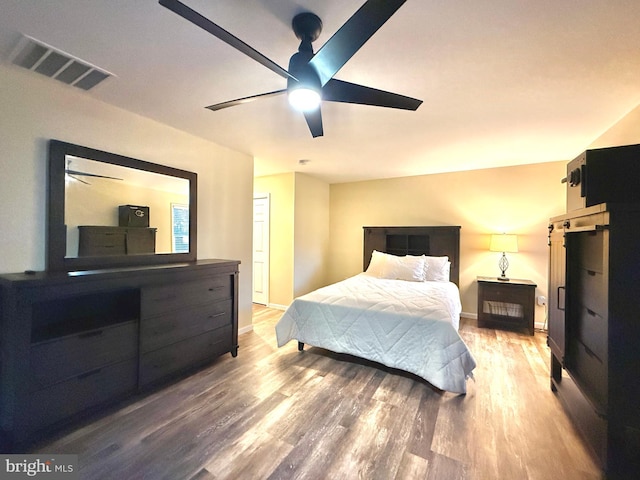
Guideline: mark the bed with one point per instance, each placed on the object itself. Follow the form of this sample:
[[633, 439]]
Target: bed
[[400, 312]]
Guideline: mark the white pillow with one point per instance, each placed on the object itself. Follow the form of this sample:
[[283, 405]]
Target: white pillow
[[403, 268], [437, 269], [376, 264]]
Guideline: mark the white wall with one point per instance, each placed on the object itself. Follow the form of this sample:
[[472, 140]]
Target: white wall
[[35, 109]]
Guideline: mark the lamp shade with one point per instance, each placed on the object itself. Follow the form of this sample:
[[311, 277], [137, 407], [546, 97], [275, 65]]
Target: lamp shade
[[504, 243]]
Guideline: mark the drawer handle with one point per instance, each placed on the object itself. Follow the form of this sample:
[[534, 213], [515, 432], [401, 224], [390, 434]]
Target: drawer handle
[[213, 289], [218, 315], [88, 374], [96, 333], [591, 273], [558, 298], [590, 352], [162, 364], [591, 312]]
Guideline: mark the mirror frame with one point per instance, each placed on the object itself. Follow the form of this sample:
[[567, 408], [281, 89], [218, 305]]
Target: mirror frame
[[56, 229]]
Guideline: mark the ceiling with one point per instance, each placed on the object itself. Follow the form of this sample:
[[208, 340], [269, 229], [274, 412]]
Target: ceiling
[[504, 82]]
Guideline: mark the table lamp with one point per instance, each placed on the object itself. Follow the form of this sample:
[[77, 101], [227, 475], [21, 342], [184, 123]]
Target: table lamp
[[503, 243]]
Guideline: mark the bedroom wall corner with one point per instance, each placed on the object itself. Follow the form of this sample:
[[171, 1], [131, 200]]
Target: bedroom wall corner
[[299, 238], [311, 234], [625, 131]]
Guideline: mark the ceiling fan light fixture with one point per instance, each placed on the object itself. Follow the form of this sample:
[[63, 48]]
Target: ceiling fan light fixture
[[304, 99]]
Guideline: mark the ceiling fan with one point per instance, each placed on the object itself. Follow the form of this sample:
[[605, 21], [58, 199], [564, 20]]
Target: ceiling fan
[[70, 172], [312, 74]]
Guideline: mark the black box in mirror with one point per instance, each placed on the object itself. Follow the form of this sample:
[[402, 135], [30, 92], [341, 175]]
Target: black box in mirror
[[133, 216]]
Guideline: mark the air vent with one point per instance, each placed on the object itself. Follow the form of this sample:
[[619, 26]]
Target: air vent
[[42, 58]]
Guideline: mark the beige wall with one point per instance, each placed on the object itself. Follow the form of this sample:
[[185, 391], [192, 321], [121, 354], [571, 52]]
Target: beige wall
[[311, 236], [36, 109], [281, 189], [624, 132], [299, 234], [511, 199]]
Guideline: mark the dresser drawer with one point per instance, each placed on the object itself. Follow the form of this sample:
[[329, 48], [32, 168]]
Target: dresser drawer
[[160, 300], [98, 241], [590, 250], [592, 291], [57, 402], [56, 360], [590, 373], [592, 332], [163, 362], [156, 332]]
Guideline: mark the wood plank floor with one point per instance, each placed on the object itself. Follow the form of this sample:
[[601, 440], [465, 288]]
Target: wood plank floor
[[280, 414]]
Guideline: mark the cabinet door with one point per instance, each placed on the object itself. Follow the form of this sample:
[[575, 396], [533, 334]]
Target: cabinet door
[[557, 276]]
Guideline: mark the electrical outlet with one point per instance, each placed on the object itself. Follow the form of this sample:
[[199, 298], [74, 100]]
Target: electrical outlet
[[542, 300]]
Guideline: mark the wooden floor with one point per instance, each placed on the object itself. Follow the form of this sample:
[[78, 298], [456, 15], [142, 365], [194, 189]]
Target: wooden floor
[[281, 414]]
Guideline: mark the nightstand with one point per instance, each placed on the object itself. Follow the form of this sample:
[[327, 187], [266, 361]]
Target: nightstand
[[508, 304]]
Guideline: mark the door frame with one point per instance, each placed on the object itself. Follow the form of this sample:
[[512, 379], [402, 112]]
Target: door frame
[[266, 243]]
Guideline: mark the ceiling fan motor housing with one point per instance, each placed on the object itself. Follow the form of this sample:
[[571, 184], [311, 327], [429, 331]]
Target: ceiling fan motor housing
[[307, 26]]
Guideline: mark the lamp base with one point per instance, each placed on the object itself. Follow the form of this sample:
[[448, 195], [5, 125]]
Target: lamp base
[[503, 264]]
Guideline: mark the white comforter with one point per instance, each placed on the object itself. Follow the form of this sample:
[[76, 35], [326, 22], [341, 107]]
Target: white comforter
[[411, 326]]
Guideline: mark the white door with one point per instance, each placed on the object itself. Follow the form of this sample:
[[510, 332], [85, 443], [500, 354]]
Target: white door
[[261, 248]]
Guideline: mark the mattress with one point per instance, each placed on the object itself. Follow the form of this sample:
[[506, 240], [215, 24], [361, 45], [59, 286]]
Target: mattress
[[411, 326]]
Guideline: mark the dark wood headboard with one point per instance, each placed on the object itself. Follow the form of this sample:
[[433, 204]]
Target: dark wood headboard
[[432, 241]]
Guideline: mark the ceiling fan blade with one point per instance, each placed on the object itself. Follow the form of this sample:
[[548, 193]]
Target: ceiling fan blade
[[351, 36], [84, 174], [206, 24], [78, 179], [238, 101], [345, 92], [314, 120]]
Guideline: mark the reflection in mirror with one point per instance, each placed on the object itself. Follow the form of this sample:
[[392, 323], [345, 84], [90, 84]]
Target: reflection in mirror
[[107, 210], [99, 194]]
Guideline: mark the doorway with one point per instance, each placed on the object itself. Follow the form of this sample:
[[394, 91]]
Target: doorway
[[261, 203]]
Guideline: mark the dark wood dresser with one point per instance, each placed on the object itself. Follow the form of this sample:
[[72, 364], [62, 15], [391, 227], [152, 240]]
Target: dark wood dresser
[[99, 241], [594, 329], [74, 342]]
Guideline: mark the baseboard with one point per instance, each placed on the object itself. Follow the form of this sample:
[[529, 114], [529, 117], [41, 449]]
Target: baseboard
[[248, 328], [539, 326], [277, 307]]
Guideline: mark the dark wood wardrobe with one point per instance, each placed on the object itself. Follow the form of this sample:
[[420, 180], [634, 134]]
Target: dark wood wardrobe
[[594, 329]]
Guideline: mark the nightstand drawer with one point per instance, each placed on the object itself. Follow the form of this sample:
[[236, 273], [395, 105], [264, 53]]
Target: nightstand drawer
[[506, 293]]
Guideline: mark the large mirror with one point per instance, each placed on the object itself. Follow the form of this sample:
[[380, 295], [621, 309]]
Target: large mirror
[[107, 210]]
